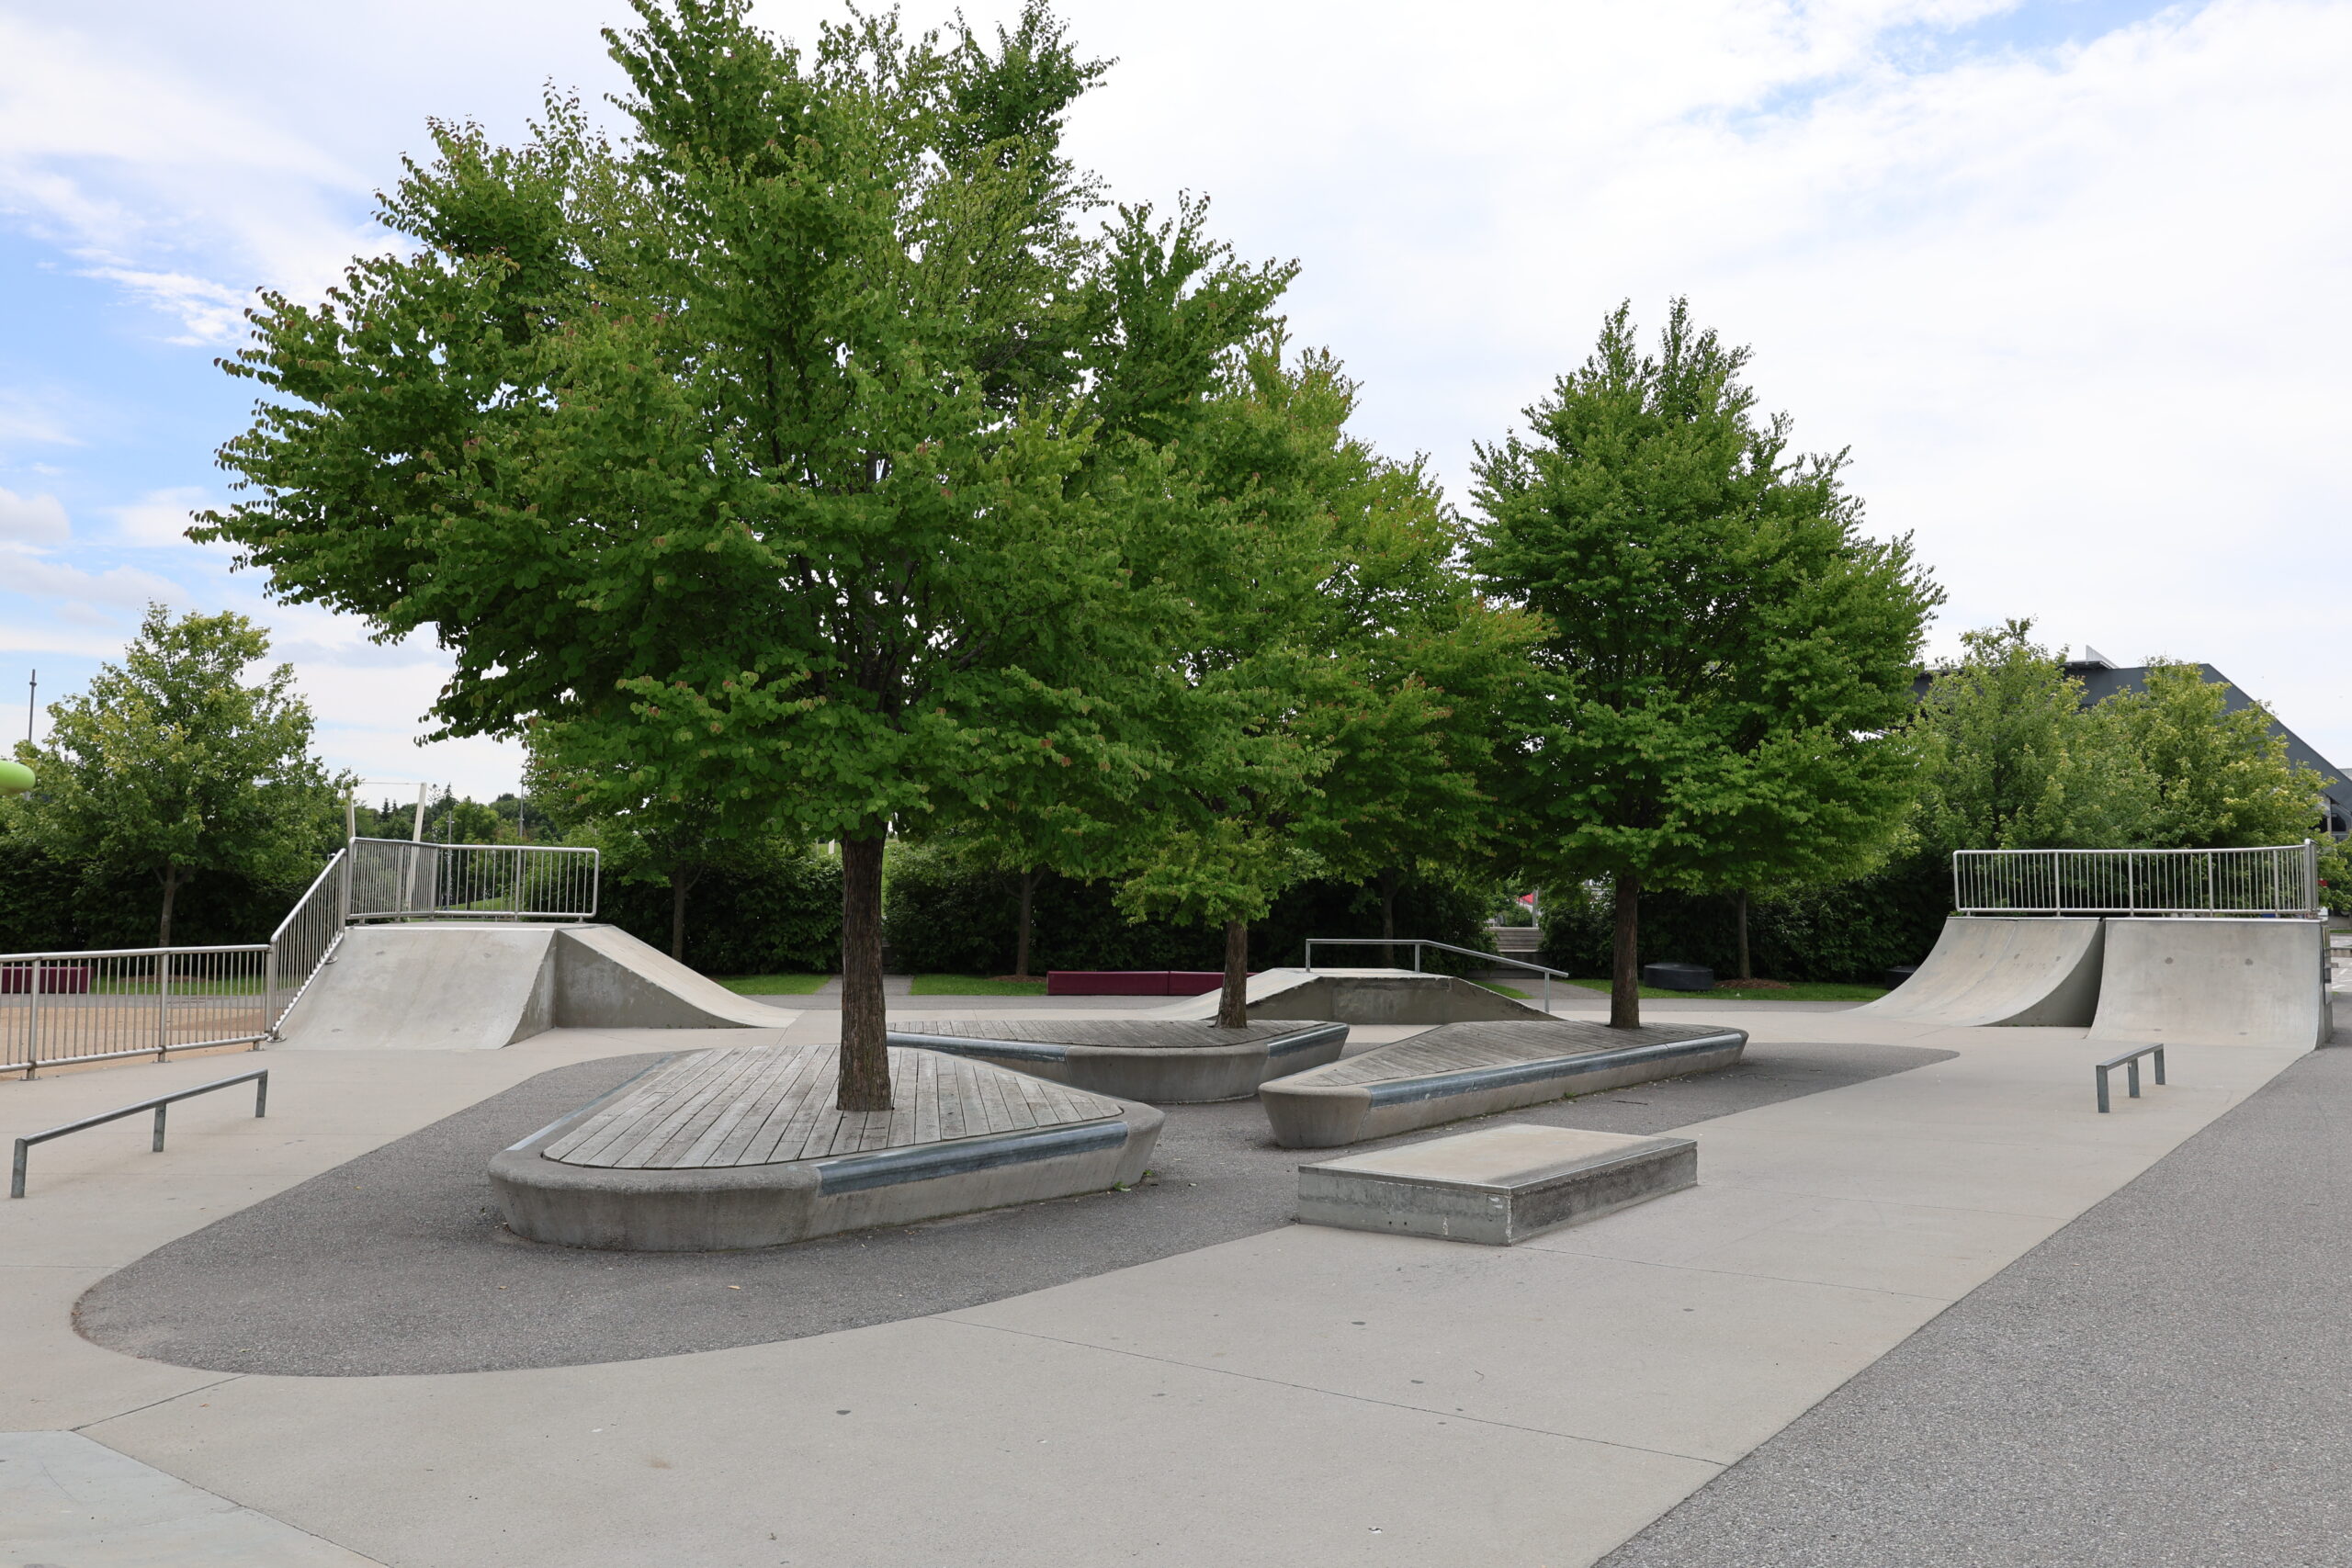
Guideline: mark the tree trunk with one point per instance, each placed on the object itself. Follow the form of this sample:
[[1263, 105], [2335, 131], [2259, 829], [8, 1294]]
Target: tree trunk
[[1388, 880], [1743, 936], [1021, 939], [1233, 1006], [171, 880], [865, 1059], [678, 882], [1625, 962]]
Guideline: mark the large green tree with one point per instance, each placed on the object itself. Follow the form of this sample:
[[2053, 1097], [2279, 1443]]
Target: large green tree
[[1726, 657], [776, 430], [2216, 778], [1312, 734], [173, 764]]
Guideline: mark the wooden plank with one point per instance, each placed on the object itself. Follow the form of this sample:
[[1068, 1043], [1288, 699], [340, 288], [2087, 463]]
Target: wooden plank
[[656, 1131], [755, 1139], [952, 1073], [926, 1097], [685, 1129], [587, 1146], [813, 1098], [755, 1096]]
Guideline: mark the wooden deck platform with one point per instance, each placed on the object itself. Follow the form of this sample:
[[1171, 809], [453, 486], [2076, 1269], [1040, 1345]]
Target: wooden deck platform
[[753, 1105], [1459, 1047]]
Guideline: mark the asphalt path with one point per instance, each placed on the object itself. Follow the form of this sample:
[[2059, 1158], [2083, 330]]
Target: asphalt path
[[2166, 1382], [396, 1262]]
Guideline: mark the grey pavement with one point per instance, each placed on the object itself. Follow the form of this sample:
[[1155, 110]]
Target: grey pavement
[[396, 1263], [2166, 1382]]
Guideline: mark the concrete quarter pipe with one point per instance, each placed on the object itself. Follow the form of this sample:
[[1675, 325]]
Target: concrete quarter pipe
[[456, 985], [2214, 982], [2000, 970]]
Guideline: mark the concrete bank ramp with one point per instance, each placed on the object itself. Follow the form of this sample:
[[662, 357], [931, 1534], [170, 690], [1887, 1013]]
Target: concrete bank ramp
[[456, 985], [2214, 982], [1364, 997], [1996, 969]]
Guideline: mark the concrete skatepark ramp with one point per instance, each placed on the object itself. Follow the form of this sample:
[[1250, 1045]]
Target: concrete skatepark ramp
[[2214, 982], [1365, 996], [463, 986], [1989, 970]]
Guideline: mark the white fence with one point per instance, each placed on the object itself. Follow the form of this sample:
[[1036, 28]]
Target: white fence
[[60, 1007], [2281, 879], [57, 1007], [395, 879]]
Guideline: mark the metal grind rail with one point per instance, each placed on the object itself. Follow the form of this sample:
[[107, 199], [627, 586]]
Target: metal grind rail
[[2130, 1063], [2278, 879], [1418, 943], [259, 1078], [60, 1007]]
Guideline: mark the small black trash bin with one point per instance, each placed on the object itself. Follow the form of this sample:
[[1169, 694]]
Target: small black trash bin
[[1679, 976]]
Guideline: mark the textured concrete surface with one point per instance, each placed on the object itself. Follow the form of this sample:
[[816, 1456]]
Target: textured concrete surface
[[1298, 1395], [396, 1261], [2214, 983], [68, 1502], [2161, 1385], [1993, 970]]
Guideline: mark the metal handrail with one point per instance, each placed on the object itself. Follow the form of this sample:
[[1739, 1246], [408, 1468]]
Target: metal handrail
[[305, 940], [106, 1004], [2273, 879], [2130, 1063], [1417, 943], [404, 879], [258, 1077]]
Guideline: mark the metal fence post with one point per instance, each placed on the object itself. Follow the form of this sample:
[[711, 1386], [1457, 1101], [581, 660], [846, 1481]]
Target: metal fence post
[[163, 1003]]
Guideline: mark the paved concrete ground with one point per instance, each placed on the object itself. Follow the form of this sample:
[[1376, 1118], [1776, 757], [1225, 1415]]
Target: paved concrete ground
[[2161, 1384], [1295, 1396], [395, 1262]]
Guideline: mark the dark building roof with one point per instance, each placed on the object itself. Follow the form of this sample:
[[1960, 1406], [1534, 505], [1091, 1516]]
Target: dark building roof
[[2101, 680]]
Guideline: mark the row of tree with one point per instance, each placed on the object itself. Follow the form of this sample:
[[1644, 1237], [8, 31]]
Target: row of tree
[[809, 459]]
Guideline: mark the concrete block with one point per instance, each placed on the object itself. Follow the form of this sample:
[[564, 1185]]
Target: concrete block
[[1496, 1186]]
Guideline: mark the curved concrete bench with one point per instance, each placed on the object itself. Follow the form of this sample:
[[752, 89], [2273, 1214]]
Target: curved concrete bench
[[744, 1148], [1474, 1069], [1159, 1061]]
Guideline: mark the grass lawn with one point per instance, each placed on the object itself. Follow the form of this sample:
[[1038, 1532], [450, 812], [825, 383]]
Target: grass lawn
[[1798, 991], [773, 985], [975, 986]]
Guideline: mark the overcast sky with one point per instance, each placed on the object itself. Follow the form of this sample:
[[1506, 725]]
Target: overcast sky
[[2068, 278]]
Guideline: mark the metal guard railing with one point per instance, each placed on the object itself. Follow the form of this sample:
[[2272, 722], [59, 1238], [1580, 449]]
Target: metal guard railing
[[397, 879], [1417, 943], [64, 1007], [2279, 879]]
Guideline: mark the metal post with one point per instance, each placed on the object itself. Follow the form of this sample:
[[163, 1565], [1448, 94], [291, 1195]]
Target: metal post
[[163, 1004], [158, 1147], [2160, 1063], [2102, 1072], [16, 1170], [32, 1043], [261, 1093], [2131, 1078]]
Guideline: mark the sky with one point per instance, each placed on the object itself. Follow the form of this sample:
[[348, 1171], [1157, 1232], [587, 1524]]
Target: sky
[[2067, 280]]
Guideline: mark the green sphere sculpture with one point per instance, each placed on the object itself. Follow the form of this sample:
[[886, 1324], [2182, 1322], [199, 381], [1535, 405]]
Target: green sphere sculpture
[[15, 777]]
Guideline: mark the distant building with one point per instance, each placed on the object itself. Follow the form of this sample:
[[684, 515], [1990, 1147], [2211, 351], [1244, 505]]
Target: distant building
[[2102, 678]]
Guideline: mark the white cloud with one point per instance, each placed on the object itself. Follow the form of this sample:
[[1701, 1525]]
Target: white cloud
[[159, 517], [30, 573], [33, 519]]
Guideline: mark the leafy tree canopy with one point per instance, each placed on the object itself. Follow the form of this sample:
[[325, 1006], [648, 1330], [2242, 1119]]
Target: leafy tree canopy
[[172, 765], [1726, 659]]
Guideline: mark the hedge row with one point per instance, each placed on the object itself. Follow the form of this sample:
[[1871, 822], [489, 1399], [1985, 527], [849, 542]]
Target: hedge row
[[45, 907], [939, 916], [1851, 931]]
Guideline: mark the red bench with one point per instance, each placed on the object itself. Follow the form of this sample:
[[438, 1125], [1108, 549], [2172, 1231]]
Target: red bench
[[65, 979]]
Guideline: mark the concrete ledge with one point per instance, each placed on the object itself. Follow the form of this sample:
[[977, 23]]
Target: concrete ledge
[[1366, 997], [1496, 1186], [1461, 1070], [1159, 1061]]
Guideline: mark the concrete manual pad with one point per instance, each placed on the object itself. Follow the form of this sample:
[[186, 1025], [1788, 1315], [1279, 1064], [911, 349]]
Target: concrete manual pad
[[1496, 1186]]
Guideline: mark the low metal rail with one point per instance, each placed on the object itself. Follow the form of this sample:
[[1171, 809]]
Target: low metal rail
[[1417, 943], [2130, 1063], [259, 1078]]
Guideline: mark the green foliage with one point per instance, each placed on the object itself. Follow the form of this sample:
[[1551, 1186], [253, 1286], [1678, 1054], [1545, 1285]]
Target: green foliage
[[2215, 779], [2015, 762], [1336, 669], [1725, 660], [771, 907], [2013, 758], [945, 915], [169, 767], [1852, 932], [2335, 873]]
